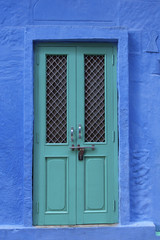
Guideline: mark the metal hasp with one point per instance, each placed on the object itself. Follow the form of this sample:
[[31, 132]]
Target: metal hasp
[[81, 150], [79, 147]]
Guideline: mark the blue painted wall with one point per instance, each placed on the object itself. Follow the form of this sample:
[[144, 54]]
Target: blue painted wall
[[141, 20]]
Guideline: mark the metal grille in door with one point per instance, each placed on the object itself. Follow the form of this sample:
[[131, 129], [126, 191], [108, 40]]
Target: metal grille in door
[[56, 98], [94, 98]]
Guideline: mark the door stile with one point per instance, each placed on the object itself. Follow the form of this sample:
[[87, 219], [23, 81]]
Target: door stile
[[36, 141], [41, 130], [110, 115]]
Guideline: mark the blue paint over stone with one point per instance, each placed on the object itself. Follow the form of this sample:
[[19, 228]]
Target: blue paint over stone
[[94, 233], [75, 10], [130, 24]]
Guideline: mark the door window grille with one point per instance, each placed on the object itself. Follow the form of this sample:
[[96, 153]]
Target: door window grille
[[94, 98], [56, 98]]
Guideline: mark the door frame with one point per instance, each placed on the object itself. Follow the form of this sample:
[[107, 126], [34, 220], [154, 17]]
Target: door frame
[[59, 33], [111, 49]]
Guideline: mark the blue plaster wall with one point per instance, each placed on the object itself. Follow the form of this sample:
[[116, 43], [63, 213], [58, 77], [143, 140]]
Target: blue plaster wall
[[140, 19]]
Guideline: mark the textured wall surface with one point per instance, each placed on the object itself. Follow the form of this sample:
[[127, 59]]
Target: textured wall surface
[[141, 20], [103, 233]]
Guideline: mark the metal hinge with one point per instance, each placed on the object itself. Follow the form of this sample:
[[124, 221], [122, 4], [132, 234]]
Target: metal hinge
[[113, 59], [37, 137], [114, 205], [37, 207], [37, 59], [113, 136]]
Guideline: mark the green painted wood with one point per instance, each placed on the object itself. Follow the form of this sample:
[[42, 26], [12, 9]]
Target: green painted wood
[[56, 174], [66, 190], [101, 162]]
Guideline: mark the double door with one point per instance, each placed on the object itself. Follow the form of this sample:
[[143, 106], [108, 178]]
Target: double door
[[75, 135]]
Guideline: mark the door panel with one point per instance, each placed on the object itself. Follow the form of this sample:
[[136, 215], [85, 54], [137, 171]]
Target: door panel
[[95, 103], [75, 105], [57, 184], [55, 114], [94, 184]]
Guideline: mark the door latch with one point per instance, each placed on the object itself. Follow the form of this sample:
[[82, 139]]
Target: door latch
[[81, 150]]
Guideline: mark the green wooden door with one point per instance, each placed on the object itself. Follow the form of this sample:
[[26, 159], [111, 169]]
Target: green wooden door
[[75, 135]]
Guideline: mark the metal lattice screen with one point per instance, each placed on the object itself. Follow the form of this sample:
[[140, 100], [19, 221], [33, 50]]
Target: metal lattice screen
[[56, 98], [94, 98]]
